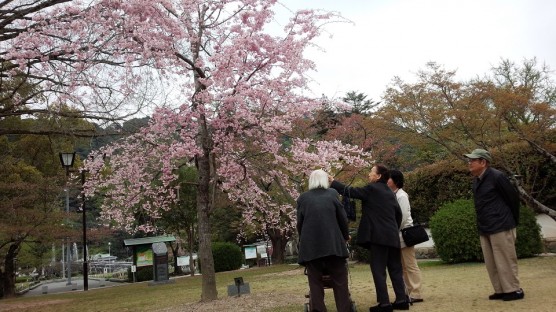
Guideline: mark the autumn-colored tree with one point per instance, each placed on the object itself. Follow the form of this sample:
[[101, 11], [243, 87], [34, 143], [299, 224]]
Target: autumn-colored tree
[[526, 96], [496, 114], [358, 125]]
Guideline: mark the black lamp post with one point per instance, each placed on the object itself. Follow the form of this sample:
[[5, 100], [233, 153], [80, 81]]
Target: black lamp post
[[15, 267], [67, 160], [85, 262]]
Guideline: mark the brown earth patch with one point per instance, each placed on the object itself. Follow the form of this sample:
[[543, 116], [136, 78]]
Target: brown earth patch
[[245, 303], [18, 306]]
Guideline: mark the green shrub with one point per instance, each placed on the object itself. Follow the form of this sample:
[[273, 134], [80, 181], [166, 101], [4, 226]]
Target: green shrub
[[290, 260], [359, 253], [227, 256], [431, 186], [362, 254], [23, 279], [529, 240], [454, 231]]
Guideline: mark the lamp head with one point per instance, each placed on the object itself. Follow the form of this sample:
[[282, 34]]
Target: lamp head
[[67, 159]]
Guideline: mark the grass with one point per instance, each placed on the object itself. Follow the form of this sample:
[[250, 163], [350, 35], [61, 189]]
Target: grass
[[281, 288]]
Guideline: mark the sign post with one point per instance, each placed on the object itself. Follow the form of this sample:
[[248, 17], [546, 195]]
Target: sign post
[[133, 270]]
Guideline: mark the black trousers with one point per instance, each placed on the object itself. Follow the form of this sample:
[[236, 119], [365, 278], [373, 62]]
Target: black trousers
[[382, 258], [336, 268]]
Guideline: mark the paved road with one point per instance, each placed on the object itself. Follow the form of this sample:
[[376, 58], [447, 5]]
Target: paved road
[[60, 286], [548, 226]]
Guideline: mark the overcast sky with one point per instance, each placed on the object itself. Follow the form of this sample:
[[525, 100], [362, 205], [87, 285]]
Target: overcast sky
[[398, 37]]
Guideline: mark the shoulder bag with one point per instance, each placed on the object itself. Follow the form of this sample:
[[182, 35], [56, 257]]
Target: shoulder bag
[[414, 235]]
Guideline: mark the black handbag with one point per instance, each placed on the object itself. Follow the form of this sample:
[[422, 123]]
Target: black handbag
[[414, 235]]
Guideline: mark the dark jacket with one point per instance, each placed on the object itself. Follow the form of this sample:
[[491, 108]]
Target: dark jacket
[[322, 225], [381, 214], [496, 202]]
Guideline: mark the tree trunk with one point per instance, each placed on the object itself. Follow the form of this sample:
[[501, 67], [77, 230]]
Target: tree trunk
[[203, 140], [205, 250], [209, 291], [537, 206], [2, 276], [8, 275], [279, 243], [192, 267], [177, 268], [540, 150], [534, 204]]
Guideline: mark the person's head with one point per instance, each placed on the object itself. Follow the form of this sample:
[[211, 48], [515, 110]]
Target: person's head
[[396, 180], [379, 173], [318, 179], [478, 161]]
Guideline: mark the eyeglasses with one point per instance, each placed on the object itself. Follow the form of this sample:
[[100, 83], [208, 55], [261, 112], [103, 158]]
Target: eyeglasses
[[470, 160]]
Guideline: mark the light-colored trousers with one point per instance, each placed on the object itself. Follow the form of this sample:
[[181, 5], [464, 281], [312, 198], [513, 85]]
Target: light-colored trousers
[[411, 273], [501, 260]]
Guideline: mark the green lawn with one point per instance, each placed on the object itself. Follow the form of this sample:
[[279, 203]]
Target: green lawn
[[281, 288]]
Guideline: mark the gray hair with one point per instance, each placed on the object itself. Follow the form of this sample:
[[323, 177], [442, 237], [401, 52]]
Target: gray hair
[[318, 179]]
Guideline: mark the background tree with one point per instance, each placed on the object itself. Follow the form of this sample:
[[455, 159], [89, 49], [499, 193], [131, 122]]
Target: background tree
[[460, 116], [55, 63], [28, 215], [32, 184], [181, 220], [359, 103], [242, 89], [526, 94]]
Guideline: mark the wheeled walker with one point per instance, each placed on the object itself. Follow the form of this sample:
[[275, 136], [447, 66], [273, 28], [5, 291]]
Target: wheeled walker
[[327, 284]]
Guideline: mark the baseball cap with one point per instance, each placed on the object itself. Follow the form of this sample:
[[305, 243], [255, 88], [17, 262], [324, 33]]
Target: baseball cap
[[479, 153]]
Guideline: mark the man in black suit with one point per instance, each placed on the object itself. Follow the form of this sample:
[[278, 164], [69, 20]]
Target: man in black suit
[[378, 232]]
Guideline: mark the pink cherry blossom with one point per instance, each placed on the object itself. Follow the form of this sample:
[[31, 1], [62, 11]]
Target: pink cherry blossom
[[240, 91]]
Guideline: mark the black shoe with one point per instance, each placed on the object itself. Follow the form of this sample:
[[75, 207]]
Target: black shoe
[[402, 305], [496, 296], [514, 295], [379, 308], [415, 300]]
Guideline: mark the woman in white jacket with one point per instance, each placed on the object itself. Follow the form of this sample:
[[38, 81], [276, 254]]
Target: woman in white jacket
[[411, 271]]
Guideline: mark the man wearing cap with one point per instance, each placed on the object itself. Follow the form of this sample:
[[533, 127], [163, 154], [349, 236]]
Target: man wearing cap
[[497, 207]]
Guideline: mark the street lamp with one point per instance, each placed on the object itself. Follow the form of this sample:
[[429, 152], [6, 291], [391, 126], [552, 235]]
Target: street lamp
[[109, 257], [67, 161], [85, 262]]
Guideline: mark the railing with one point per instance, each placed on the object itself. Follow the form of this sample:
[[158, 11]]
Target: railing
[[25, 286], [103, 269]]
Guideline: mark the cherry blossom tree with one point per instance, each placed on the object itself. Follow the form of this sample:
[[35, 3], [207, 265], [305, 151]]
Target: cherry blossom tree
[[239, 84], [58, 60]]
